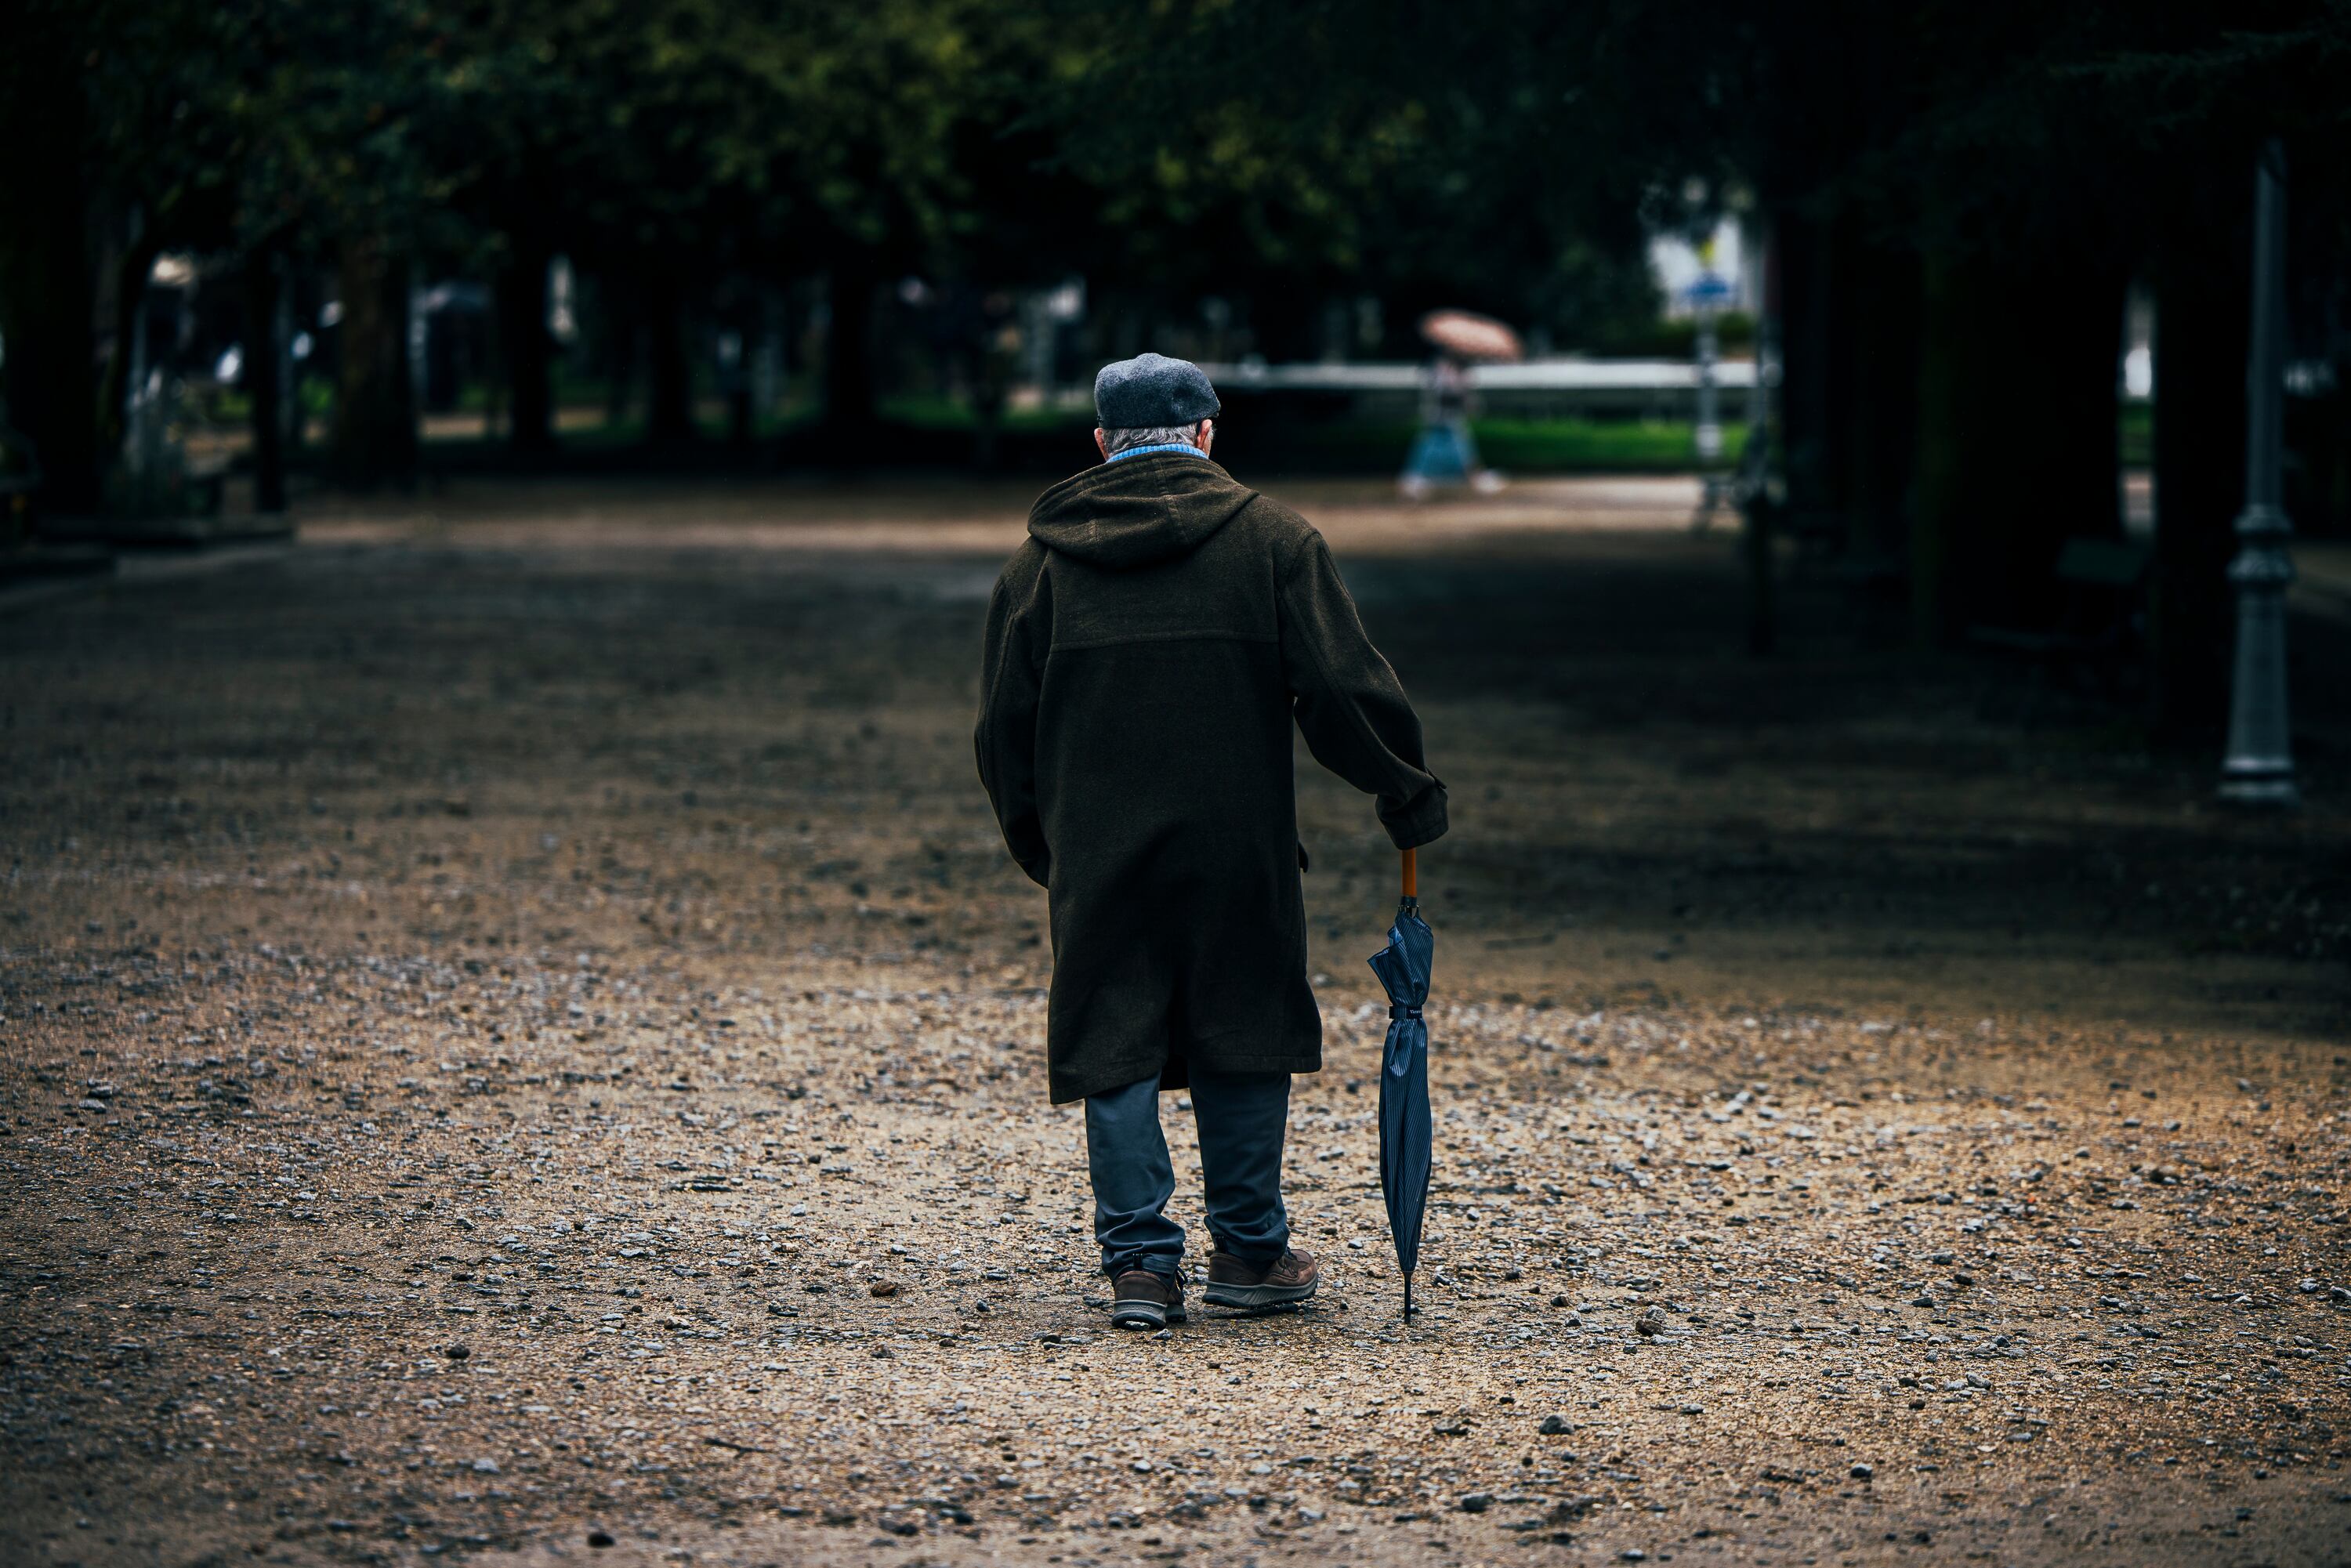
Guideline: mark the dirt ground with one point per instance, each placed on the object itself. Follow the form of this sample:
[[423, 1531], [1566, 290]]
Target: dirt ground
[[519, 1040]]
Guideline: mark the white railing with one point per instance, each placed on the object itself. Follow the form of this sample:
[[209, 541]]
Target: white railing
[[1535, 375]]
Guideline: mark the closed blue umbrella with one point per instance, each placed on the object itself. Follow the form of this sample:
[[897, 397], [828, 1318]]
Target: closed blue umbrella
[[1406, 1137]]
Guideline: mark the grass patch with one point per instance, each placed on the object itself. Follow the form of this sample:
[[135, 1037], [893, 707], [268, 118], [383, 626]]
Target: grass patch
[[1568, 445], [2137, 434], [1519, 445]]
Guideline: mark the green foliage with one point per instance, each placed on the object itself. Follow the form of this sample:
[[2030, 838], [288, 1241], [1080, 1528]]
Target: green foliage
[[625, 124], [698, 134], [1574, 446], [1498, 154], [1383, 147]]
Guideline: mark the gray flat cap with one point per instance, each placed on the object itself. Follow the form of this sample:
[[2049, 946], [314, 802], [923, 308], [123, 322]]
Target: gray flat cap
[[1151, 389]]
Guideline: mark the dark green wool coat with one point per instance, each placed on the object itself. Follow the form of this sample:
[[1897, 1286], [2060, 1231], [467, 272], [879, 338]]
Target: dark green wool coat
[[1147, 651]]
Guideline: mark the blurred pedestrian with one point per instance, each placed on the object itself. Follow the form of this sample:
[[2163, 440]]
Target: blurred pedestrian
[[1148, 650], [1445, 452]]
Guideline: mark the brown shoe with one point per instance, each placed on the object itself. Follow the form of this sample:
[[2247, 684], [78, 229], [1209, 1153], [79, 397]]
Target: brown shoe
[[1289, 1278], [1142, 1300]]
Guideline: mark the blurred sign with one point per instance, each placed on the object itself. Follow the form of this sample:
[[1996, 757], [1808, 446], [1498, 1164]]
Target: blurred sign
[[1709, 291], [1702, 273]]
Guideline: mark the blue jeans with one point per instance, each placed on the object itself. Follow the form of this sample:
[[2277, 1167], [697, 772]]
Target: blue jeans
[[1442, 452], [1241, 1117]]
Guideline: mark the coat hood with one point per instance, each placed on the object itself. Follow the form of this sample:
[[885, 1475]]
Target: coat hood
[[1137, 512]]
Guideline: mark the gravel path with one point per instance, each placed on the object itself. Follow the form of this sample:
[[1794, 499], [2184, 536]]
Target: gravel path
[[518, 1038]]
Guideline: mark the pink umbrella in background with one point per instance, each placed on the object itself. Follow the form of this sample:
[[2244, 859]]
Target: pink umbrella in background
[[1471, 336]]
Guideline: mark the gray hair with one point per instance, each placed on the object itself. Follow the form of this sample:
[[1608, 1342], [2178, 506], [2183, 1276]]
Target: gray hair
[[1117, 440]]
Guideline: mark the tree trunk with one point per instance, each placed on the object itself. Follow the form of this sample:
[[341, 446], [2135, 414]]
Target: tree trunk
[[669, 417], [623, 306], [1809, 406], [375, 403], [745, 317], [848, 392], [1881, 366], [1948, 401], [295, 421], [263, 288], [522, 340], [2201, 330], [115, 393], [45, 292], [2203, 305], [2017, 440], [1757, 554]]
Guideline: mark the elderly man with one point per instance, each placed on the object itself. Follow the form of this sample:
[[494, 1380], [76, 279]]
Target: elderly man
[[1148, 650]]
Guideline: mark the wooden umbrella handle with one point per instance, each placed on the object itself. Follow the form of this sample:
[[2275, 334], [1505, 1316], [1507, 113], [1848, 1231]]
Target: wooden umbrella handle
[[1412, 873]]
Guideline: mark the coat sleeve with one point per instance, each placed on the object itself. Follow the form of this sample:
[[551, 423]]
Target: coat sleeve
[[1349, 703], [1011, 669]]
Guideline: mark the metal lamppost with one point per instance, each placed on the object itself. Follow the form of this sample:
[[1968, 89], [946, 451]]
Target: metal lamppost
[[1709, 409], [1705, 297], [2259, 766]]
